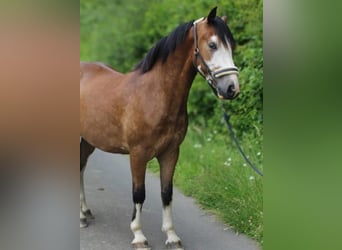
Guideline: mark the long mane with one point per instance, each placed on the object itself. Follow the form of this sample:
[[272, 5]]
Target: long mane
[[164, 47]]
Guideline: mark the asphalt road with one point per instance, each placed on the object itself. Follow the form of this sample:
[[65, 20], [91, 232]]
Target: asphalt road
[[108, 192]]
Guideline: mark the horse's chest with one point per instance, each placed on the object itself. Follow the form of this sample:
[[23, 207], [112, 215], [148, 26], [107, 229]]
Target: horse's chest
[[172, 132]]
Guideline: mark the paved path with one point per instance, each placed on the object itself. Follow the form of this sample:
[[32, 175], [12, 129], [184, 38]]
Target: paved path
[[108, 193]]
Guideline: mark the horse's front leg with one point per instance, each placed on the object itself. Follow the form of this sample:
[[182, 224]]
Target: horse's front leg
[[138, 170], [167, 162]]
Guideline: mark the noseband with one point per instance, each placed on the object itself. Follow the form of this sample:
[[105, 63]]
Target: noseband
[[212, 76]]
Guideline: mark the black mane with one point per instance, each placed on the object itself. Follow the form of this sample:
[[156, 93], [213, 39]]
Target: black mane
[[167, 45], [164, 47]]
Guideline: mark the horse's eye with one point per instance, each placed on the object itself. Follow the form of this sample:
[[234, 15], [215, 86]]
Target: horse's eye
[[212, 45]]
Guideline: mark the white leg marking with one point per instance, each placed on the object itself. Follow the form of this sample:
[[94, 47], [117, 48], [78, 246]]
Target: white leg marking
[[167, 226], [139, 237], [82, 216], [83, 220], [83, 204]]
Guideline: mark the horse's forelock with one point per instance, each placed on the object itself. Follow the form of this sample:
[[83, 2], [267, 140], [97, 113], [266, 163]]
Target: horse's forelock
[[223, 32]]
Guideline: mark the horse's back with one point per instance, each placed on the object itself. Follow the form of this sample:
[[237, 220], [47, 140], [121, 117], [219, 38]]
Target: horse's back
[[91, 70]]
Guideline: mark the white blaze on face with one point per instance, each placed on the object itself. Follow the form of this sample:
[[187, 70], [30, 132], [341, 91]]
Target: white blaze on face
[[222, 57]]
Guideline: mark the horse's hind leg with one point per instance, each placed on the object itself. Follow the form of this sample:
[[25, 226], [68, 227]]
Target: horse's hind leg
[[138, 170], [85, 150], [167, 162]]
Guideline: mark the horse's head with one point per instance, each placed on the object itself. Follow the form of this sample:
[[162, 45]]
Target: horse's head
[[214, 45]]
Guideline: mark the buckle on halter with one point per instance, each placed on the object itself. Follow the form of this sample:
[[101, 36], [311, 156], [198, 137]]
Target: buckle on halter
[[211, 80]]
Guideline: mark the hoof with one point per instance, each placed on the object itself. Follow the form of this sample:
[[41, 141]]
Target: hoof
[[174, 245], [141, 246], [83, 223], [89, 215]]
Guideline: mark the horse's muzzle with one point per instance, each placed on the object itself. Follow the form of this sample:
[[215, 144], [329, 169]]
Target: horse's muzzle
[[228, 88]]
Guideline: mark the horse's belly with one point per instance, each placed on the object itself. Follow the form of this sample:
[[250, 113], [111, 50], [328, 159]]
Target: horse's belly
[[111, 144]]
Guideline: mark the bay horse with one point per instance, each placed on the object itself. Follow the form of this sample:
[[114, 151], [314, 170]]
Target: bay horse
[[144, 113]]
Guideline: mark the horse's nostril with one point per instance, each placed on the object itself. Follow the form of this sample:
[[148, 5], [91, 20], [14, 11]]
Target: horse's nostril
[[231, 90]]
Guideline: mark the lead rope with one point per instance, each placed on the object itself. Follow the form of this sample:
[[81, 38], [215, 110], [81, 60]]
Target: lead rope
[[231, 131]]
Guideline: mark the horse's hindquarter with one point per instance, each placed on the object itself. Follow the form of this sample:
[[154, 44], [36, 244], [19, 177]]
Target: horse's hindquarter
[[101, 107]]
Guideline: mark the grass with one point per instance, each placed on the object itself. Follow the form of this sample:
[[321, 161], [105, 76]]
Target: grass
[[211, 170]]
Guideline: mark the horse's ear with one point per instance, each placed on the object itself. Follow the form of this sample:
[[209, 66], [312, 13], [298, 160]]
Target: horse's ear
[[224, 18], [212, 15]]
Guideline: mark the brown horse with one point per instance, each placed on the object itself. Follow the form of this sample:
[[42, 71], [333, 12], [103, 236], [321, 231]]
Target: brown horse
[[144, 113]]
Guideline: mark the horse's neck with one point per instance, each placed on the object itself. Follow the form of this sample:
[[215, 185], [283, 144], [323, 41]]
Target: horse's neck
[[177, 75]]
